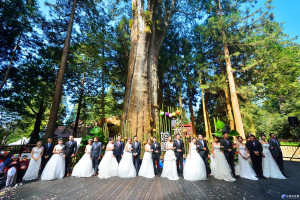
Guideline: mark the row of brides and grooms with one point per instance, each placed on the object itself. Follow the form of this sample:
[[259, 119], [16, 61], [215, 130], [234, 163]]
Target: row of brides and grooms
[[256, 159]]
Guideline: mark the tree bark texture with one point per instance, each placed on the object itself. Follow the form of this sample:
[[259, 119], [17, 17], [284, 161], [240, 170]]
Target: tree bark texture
[[34, 136], [192, 111], [140, 109], [60, 78], [79, 107]]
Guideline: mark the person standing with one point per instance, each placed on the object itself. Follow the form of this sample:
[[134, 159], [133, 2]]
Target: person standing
[[179, 153], [35, 162], [12, 170], [227, 147], [55, 168], [126, 168], [119, 148], [203, 150], [256, 154], [147, 169], [136, 153], [156, 153], [95, 154], [276, 152], [23, 165], [69, 153], [170, 169], [48, 152]]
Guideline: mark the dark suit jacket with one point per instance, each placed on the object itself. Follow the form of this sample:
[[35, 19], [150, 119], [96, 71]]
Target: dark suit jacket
[[156, 155], [48, 151], [70, 149], [202, 152], [136, 148], [226, 147], [181, 146], [275, 151], [96, 150], [256, 147], [118, 151]]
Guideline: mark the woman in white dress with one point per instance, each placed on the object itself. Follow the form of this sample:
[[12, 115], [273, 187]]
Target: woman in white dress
[[170, 168], [147, 169], [108, 166], [194, 167], [84, 166], [269, 166], [35, 162], [55, 168], [126, 167], [218, 163], [244, 168]]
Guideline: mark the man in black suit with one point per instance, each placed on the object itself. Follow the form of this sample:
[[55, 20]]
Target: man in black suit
[[203, 151], [70, 151], [179, 153], [119, 148], [136, 153], [156, 153], [48, 151], [276, 152], [95, 154], [226, 146], [255, 149]]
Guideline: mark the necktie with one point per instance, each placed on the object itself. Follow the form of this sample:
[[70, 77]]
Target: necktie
[[227, 142], [48, 145], [178, 142], [253, 143], [202, 143], [70, 143], [118, 143]]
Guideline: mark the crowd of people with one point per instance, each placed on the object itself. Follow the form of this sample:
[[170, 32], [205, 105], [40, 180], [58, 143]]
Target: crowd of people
[[256, 160]]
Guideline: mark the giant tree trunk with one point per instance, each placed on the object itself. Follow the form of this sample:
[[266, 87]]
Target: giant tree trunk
[[141, 105], [10, 63], [34, 136], [180, 103], [103, 89], [192, 111], [234, 97], [60, 78]]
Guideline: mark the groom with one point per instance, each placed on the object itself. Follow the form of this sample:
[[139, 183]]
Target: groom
[[119, 148], [203, 151], [95, 154], [227, 147], [156, 153], [70, 151], [136, 153], [179, 153], [255, 149]]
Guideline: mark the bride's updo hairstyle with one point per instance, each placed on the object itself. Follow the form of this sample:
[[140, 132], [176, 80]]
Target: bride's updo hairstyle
[[215, 137], [238, 137], [60, 140], [129, 139], [111, 139], [148, 140]]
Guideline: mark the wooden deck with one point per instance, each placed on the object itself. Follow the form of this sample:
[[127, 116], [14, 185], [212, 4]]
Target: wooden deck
[[159, 188]]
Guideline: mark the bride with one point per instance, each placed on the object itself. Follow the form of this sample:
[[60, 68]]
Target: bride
[[194, 167], [35, 163], [147, 169], [170, 168], [55, 168], [269, 166], [218, 163], [126, 168], [244, 168], [108, 166], [84, 166]]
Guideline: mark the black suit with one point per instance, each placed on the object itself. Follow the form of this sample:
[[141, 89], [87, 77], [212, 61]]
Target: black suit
[[203, 153], [118, 151], [48, 151], [136, 159], [155, 156], [225, 146], [276, 153], [70, 148], [256, 160], [179, 155]]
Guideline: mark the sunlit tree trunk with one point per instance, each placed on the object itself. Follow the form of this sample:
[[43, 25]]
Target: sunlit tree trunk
[[234, 97], [60, 78], [141, 104], [191, 111], [34, 136], [80, 99]]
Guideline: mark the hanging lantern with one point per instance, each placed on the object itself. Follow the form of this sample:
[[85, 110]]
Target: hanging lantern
[[154, 130], [173, 114], [162, 113], [170, 115], [167, 114], [178, 112]]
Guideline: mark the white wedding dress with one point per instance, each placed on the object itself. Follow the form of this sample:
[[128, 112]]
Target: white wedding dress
[[108, 166], [84, 166], [147, 169], [244, 168], [170, 168], [34, 165], [55, 168], [126, 167], [194, 167], [219, 165], [269, 166]]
